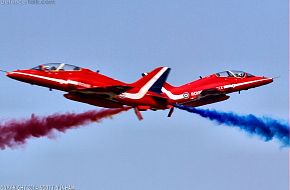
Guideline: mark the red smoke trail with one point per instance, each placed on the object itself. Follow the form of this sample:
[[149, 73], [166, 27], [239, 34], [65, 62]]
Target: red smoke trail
[[15, 132]]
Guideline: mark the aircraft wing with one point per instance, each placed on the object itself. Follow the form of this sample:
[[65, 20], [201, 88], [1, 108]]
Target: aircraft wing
[[104, 90], [210, 92], [208, 95]]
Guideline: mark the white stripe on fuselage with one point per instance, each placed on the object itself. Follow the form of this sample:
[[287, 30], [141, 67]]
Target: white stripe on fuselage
[[146, 87], [170, 95], [61, 81], [243, 83]]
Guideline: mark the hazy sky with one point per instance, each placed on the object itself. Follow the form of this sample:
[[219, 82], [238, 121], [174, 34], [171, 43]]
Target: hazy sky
[[123, 39]]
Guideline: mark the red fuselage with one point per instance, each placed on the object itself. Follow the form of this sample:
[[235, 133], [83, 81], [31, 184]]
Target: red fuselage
[[212, 88], [91, 87]]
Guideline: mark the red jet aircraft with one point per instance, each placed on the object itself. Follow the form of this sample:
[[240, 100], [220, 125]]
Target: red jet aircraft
[[149, 92], [84, 85], [211, 89]]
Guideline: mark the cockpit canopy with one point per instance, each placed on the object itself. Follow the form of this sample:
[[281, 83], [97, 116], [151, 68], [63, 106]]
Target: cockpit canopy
[[237, 74], [57, 67]]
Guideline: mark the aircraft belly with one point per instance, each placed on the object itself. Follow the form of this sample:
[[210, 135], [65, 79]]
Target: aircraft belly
[[145, 101], [206, 100], [92, 100]]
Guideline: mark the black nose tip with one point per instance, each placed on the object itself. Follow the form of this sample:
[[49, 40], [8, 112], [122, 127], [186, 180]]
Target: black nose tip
[[268, 80]]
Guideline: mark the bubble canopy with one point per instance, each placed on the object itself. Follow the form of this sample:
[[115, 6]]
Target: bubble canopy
[[57, 67], [237, 74]]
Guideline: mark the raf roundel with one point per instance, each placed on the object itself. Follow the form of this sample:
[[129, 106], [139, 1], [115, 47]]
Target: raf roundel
[[186, 95]]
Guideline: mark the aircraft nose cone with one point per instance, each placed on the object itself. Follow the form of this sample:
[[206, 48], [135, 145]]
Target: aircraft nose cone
[[10, 74], [265, 80], [269, 80]]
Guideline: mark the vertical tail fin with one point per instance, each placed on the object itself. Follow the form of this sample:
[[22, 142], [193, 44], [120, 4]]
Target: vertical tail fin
[[153, 82], [166, 85], [155, 79]]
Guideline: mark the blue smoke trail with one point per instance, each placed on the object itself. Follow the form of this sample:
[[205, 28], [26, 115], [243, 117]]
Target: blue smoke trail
[[265, 127]]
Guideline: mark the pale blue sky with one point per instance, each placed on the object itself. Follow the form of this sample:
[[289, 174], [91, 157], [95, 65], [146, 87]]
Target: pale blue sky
[[123, 39]]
